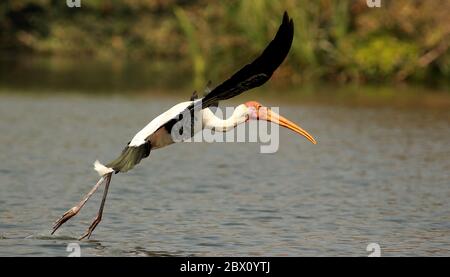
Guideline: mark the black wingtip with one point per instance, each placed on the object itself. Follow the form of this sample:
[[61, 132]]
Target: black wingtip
[[285, 16], [260, 70]]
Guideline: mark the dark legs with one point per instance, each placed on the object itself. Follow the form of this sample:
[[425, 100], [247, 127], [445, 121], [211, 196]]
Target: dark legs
[[98, 218], [74, 211]]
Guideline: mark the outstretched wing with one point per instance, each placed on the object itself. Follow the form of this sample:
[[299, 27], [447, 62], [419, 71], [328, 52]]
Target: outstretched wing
[[260, 70]]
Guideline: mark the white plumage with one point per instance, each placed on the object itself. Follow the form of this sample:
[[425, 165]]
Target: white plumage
[[101, 169], [210, 121], [159, 121]]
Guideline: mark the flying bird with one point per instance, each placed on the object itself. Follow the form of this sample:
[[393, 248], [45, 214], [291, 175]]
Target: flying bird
[[158, 133]]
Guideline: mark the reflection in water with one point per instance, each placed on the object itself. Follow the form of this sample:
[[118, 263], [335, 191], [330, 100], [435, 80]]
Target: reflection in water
[[376, 175], [59, 74]]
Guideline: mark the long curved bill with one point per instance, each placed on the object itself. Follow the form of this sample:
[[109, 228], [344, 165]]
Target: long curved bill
[[267, 114]]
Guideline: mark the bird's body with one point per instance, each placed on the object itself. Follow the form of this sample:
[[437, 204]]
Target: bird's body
[[161, 130], [143, 135], [160, 137], [158, 133]]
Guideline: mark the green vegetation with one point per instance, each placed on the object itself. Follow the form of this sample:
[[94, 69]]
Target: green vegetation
[[338, 41]]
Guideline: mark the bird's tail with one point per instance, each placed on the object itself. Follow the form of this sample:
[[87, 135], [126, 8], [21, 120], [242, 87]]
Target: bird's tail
[[129, 157], [101, 169]]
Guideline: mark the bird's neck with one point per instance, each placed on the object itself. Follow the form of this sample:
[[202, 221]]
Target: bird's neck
[[211, 121]]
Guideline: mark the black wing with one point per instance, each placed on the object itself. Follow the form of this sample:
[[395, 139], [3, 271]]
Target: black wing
[[250, 76], [260, 70]]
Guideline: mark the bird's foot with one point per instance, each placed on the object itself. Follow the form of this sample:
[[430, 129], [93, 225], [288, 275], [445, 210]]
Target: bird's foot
[[66, 216], [91, 228]]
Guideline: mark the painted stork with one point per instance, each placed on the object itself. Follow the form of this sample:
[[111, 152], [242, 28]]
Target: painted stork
[[157, 133]]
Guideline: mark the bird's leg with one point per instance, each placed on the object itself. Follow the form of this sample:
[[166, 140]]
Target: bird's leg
[[98, 218], [74, 210]]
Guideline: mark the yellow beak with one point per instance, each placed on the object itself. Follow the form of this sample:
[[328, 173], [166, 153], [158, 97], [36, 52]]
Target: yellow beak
[[266, 114]]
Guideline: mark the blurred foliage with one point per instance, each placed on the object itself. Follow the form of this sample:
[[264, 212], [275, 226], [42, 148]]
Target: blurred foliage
[[341, 41], [195, 51]]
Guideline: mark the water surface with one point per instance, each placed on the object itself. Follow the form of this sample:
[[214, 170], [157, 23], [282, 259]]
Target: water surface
[[377, 175]]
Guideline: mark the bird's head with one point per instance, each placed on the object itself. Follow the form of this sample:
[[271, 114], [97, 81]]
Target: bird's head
[[256, 111]]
